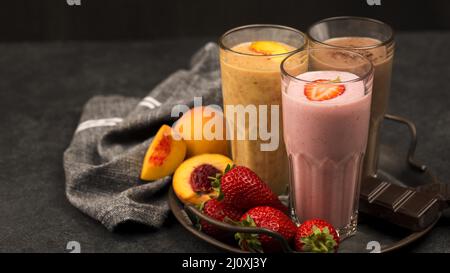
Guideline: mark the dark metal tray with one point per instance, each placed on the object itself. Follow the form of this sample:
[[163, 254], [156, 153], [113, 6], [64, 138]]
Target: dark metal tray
[[373, 235]]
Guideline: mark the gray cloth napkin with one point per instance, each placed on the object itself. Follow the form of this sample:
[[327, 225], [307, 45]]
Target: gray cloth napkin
[[103, 162]]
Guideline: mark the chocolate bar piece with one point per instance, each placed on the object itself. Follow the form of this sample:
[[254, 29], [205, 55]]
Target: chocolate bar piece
[[405, 207]]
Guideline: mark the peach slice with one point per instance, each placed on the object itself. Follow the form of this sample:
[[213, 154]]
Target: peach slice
[[191, 181], [199, 128], [163, 156], [268, 47]]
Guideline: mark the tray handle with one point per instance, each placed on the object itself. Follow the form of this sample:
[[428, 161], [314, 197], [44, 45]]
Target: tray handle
[[413, 142], [433, 187]]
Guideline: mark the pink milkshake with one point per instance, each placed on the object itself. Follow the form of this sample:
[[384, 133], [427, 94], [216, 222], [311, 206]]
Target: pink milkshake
[[326, 121]]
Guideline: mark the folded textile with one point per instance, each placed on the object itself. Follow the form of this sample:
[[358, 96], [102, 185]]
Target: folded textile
[[103, 162]]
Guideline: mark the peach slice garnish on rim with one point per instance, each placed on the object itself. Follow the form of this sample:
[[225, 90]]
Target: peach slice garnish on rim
[[268, 48]]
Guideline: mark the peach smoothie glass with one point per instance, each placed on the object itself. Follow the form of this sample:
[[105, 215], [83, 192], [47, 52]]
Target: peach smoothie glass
[[326, 121], [250, 58], [375, 40]]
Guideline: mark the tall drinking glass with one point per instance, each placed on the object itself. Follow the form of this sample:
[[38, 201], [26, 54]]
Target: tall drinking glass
[[326, 113], [250, 58], [375, 40]]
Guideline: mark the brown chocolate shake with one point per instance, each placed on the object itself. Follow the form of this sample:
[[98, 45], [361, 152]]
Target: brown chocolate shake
[[373, 39], [381, 58]]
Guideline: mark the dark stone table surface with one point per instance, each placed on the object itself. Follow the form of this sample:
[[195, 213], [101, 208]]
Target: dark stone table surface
[[43, 87]]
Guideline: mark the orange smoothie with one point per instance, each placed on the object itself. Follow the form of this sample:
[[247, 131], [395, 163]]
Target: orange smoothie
[[252, 77]]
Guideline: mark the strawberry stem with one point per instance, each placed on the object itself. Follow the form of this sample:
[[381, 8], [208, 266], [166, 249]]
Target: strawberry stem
[[319, 241], [197, 219], [248, 241], [215, 182], [336, 80]]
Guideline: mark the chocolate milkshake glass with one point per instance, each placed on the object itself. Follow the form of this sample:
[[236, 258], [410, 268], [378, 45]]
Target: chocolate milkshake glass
[[250, 58], [375, 40], [326, 113]]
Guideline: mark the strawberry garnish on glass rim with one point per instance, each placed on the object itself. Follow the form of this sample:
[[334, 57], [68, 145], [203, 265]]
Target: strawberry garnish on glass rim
[[320, 90]]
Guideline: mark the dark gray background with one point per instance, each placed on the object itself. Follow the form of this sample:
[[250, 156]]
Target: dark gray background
[[48, 71], [41, 20]]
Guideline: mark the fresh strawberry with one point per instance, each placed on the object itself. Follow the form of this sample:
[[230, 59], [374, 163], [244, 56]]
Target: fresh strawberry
[[265, 217], [242, 188], [316, 235], [320, 90], [219, 211]]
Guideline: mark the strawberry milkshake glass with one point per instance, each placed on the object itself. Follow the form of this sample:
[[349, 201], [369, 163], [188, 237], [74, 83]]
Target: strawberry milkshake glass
[[326, 113]]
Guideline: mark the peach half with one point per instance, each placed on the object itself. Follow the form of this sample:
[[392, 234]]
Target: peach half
[[191, 181], [163, 156], [203, 130]]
